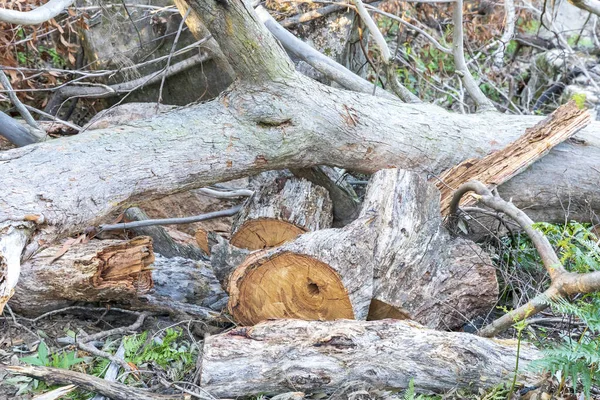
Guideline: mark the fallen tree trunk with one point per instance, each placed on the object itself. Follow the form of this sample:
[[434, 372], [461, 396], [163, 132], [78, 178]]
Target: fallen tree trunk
[[114, 271], [500, 166], [397, 252], [421, 272], [280, 356], [95, 271]]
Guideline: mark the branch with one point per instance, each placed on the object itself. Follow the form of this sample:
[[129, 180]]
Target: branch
[[17, 103], [482, 102], [105, 91], [592, 6], [509, 32], [37, 16], [113, 390], [171, 221], [15, 132], [328, 67], [386, 54], [564, 283], [251, 51]]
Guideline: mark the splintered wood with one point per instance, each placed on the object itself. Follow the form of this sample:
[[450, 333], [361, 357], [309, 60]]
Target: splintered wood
[[500, 166], [100, 270]]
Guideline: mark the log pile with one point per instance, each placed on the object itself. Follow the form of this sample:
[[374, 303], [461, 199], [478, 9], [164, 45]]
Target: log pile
[[396, 253]]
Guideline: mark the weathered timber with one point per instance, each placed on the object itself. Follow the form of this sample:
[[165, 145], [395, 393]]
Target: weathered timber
[[422, 272], [500, 166], [397, 252], [280, 209], [185, 285], [113, 390], [117, 272], [280, 356], [107, 270], [224, 258], [346, 205]]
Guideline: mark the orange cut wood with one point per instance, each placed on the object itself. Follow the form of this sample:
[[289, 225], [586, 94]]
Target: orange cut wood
[[281, 208], [287, 285]]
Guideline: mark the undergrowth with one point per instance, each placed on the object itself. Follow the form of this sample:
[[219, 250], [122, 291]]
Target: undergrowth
[[572, 356]]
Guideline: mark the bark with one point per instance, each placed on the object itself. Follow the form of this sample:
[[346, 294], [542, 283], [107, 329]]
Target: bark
[[422, 272], [500, 166], [187, 286], [272, 119], [225, 258], [280, 209], [346, 205], [97, 271], [396, 252], [113, 390], [293, 355]]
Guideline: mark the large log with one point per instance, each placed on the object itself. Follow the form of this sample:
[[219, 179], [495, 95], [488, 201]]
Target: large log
[[293, 355], [281, 208], [421, 272], [117, 272], [396, 252], [500, 166]]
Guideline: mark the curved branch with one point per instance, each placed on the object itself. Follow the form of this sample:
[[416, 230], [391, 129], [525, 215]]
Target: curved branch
[[541, 243], [36, 16], [328, 67], [386, 54], [563, 284]]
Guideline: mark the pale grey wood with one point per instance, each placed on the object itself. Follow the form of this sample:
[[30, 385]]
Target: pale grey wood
[[72, 183], [433, 278], [293, 355]]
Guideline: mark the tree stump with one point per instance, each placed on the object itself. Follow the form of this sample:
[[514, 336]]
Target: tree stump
[[281, 208]]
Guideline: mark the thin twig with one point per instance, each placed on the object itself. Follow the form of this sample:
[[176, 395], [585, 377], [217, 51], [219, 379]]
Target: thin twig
[[171, 221], [173, 46], [17, 103]]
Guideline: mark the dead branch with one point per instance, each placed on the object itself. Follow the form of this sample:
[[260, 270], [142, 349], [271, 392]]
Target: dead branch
[[113, 390], [502, 165], [36, 16], [462, 70], [563, 284]]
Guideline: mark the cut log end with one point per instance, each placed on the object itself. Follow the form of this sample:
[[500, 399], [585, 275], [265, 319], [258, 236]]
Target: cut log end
[[287, 285], [263, 233], [379, 310], [202, 240]]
